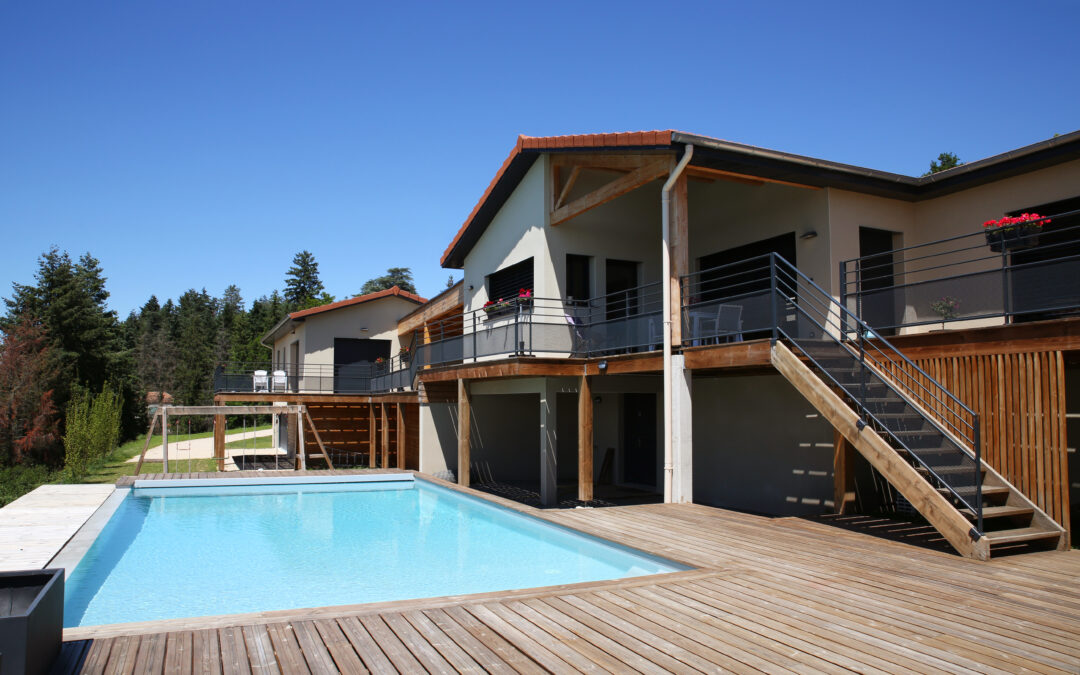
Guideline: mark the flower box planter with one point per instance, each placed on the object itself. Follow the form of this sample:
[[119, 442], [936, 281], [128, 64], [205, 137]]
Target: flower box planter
[[31, 620], [1012, 240], [1014, 233]]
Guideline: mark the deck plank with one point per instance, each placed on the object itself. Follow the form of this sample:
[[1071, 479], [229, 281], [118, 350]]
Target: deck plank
[[781, 594]]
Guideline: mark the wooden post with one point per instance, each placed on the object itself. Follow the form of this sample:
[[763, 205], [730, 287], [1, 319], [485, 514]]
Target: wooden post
[[843, 472], [680, 253], [219, 441], [400, 436], [385, 437], [585, 441], [371, 436], [164, 439], [464, 430], [300, 441]]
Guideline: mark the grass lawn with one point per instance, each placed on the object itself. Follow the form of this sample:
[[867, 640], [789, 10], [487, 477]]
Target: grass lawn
[[261, 442], [136, 446], [112, 469]]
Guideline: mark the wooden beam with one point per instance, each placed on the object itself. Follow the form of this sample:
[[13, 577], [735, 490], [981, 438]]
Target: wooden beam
[[615, 188], [190, 410], [603, 160], [711, 176], [446, 302], [464, 431], [318, 439], [952, 525], [585, 440], [149, 435], [371, 436], [316, 398], [219, 441], [565, 192], [701, 171], [400, 437], [679, 233], [843, 473], [385, 438], [300, 442]]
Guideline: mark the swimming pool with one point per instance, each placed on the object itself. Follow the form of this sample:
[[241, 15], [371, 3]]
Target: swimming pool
[[181, 551]]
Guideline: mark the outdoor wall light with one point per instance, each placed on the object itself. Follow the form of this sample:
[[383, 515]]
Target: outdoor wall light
[[470, 287], [602, 366], [809, 234], [363, 330]]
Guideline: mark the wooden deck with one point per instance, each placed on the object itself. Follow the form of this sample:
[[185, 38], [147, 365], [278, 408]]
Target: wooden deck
[[770, 595]]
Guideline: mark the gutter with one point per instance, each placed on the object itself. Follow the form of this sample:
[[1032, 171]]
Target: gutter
[[273, 331], [665, 216]]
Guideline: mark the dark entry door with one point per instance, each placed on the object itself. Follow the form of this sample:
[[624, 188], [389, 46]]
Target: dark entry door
[[877, 301], [639, 439], [353, 362], [621, 289], [740, 276]]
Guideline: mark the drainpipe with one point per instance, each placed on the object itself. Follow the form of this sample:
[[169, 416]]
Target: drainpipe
[[665, 230]]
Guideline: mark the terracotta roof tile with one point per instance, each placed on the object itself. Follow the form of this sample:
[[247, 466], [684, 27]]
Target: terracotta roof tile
[[396, 291], [542, 143]]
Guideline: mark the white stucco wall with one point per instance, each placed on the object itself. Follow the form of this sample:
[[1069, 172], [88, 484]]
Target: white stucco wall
[[316, 333]]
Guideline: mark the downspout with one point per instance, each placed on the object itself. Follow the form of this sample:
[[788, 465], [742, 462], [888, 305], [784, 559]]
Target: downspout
[[665, 230]]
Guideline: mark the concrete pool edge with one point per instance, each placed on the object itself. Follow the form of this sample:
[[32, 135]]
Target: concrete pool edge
[[692, 571], [71, 554]]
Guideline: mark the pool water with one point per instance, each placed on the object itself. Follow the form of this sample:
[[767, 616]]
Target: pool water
[[176, 552]]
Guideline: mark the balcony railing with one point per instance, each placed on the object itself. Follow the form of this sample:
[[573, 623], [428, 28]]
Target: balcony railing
[[290, 378], [1021, 274]]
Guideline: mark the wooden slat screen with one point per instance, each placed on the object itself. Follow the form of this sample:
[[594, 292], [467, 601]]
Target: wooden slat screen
[[1020, 400]]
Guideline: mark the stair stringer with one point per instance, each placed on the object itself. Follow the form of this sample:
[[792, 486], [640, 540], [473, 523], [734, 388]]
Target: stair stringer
[[991, 477], [937, 510]]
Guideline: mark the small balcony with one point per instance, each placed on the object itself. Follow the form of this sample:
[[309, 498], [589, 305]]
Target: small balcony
[[1025, 272], [394, 374], [618, 323]]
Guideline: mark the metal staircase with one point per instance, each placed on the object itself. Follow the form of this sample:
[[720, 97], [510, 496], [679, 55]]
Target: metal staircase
[[916, 433]]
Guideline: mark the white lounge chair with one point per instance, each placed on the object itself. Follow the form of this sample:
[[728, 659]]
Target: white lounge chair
[[280, 382], [259, 381]]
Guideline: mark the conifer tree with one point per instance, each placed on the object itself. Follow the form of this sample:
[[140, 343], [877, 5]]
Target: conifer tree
[[302, 285]]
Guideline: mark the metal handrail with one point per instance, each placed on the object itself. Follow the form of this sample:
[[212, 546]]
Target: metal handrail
[[799, 280], [954, 259]]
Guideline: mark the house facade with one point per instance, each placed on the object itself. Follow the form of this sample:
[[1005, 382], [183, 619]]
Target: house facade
[[632, 303]]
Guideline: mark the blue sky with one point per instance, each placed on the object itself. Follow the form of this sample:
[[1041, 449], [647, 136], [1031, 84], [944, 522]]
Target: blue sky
[[198, 144]]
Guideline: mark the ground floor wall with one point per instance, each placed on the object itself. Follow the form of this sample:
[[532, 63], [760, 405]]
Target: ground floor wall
[[759, 446]]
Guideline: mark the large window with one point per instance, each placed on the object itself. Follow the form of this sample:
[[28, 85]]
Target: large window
[[578, 286], [508, 282]]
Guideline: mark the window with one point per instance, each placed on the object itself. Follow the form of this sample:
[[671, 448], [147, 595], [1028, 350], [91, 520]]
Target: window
[[505, 285], [578, 288]]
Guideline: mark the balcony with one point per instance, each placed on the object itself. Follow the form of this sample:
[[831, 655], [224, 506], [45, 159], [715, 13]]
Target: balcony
[[984, 278], [265, 378], [619, 323]]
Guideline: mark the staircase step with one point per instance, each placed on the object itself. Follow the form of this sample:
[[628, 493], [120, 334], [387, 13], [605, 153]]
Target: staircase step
[[954, 469], [969, 491], [1020, 535], [1000, 511]]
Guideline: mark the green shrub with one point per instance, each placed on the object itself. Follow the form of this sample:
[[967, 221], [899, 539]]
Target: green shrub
[[15, 481], [93, 427]]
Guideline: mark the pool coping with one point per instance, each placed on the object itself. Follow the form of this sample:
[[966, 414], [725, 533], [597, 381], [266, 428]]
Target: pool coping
[[693, 571], [72, 552]]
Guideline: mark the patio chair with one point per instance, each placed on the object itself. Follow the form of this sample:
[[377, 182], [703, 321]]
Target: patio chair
[[259, 381], [280, 381], [729, 323], [578, 341]]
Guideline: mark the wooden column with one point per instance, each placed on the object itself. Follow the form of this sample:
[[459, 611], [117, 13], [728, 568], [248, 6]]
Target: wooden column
[[464, 430], [843, 473], [219, 441], [585, 441], [680, 253], [385, 438], [300, 441], [164, 439], [400, 440], [371, 436]]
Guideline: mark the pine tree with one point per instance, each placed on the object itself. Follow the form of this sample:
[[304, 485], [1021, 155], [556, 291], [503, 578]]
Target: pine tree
[[28, 415], [395, 276], [945, 160], [302, 285]]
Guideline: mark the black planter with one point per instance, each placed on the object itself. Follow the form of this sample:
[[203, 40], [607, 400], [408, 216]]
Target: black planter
[[1015, 239], [31, 620]]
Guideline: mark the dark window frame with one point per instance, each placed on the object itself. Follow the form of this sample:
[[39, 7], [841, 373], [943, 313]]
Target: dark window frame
[[506, 284]]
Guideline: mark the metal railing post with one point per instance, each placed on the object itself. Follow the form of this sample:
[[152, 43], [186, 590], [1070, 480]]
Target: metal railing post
[[843, 298], [474, 337], [1006, 283], [772, 293], [977, 441]]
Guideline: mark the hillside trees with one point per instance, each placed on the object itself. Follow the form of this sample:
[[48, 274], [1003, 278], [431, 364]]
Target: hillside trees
[[28, 414], [395, 276]]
